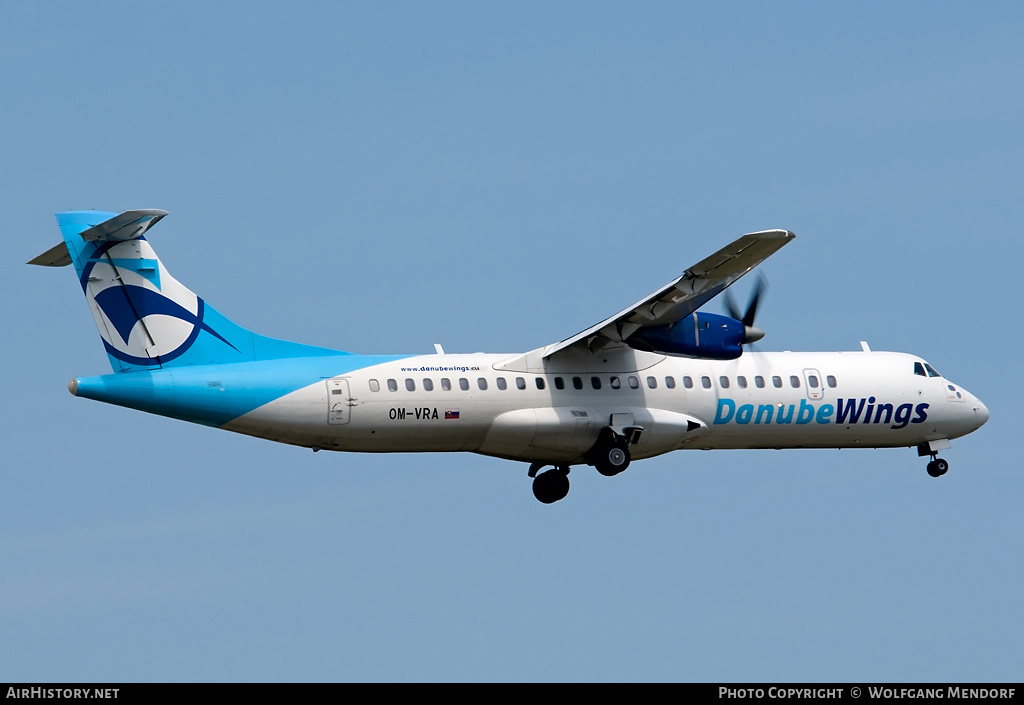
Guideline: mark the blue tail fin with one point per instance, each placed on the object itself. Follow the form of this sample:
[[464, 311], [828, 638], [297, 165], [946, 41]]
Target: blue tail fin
[[146, 318]]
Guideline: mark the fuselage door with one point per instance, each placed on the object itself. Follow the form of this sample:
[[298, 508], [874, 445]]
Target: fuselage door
[[815, 386], [339, 401]]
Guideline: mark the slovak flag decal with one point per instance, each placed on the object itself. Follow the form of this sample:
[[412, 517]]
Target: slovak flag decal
[[451, 415]]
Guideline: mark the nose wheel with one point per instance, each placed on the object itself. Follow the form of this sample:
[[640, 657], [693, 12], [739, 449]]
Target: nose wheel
[[938, 467]]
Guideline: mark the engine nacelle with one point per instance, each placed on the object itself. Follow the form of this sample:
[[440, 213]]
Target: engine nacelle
[[698, 335]]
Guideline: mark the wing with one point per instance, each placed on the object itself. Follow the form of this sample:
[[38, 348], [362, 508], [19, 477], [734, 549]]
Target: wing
[[681, 297]]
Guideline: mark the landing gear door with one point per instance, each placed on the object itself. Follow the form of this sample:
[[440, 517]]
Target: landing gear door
[[815, 386], [339, 401]]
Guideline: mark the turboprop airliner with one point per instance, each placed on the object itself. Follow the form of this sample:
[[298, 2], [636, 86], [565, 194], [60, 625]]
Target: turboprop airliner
[[660, 375]]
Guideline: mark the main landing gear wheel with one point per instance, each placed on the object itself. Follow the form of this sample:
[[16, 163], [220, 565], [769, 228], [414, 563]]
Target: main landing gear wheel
[[612, 458], [938, 467], [552, 485]]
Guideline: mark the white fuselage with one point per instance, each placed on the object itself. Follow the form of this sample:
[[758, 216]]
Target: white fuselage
[[523, 408]]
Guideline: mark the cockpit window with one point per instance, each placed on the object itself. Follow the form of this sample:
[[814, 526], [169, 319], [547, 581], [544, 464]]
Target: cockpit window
[[919, 369], [931, 370]]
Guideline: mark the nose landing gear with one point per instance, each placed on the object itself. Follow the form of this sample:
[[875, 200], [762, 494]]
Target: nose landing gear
[[938, 467]]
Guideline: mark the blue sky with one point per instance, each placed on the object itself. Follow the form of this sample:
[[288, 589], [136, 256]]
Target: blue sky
[[492, 177]]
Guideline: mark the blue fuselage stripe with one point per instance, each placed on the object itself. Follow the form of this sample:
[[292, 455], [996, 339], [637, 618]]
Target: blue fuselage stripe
[[214, 395]]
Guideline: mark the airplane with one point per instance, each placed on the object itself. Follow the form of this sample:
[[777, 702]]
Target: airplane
[[660, 375]]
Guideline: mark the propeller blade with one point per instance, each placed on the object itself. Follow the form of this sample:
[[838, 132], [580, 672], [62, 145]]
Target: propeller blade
[[730, 306], [755, 298], [751, 332]]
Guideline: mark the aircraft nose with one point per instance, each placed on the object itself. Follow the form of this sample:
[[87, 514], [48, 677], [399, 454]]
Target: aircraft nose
[[980, 412]]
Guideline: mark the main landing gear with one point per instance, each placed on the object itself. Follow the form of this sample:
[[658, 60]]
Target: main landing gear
[[610, 455], [551, 485]]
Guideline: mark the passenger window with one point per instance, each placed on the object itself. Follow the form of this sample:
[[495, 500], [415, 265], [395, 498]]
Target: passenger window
[[392, 385], [577, 383], [688, 382], [410, 385], [501, 383], [794, 381], [615, 382], [759, 382], [724, 381], [520, 383], [705, 382], [741, 382], [559, 383], [463, 384], [482, 383], [595, 382], [446, 384], [812, 381], [831, 381], [428, 384], [652, 383], [777, 381], [374, 385], [540, 382], [634, 383], [670, 382]]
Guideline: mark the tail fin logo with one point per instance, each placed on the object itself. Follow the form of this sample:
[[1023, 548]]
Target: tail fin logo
[[144, 315]]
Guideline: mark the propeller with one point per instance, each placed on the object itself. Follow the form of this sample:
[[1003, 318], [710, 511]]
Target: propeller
[[751, 332]]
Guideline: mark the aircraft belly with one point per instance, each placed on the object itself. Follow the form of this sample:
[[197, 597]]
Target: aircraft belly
[[551, 434], [298, 418], [796, 438], [564, 434], [665, 431]]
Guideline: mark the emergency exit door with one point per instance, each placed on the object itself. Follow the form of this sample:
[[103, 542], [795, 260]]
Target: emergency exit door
[[339, 401]]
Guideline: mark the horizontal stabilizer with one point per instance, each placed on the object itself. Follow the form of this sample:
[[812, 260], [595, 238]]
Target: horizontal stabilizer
[[56, 256], [127, 226]]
